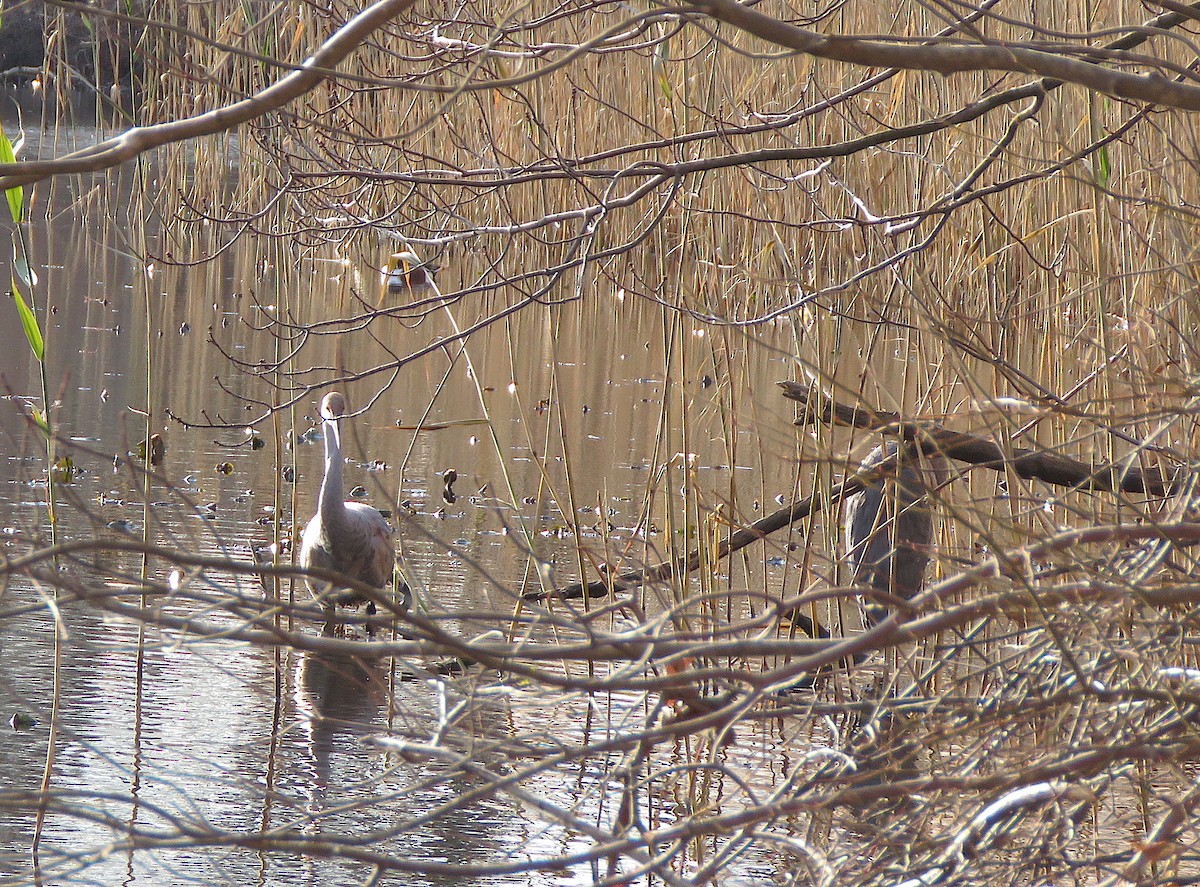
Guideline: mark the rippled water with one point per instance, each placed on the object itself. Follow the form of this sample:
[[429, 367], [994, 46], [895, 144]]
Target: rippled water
[[154, 725]]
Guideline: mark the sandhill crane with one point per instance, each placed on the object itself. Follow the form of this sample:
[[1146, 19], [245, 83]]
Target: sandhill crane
[[889, 528], [350, 538]]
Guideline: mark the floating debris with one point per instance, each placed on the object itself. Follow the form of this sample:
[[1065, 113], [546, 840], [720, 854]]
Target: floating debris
[[253, 440], [441, 426], [304, 438], [225, 468], [154, 447], [64, 470]]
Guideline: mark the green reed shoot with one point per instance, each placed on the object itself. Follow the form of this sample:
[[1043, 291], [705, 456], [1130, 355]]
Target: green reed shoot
[[29, 322]]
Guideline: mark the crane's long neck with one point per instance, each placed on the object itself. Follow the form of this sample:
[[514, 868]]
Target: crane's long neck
[[332, 505]]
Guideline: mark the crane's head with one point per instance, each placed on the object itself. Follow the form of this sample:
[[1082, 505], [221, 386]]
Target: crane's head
[[333, 406]]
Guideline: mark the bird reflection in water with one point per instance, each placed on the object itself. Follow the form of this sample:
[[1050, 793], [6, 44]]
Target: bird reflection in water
[[338, 699]]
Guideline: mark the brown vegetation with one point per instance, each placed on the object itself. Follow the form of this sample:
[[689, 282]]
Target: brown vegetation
[[974, 233]]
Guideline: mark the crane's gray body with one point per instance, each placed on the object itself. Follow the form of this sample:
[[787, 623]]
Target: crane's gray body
[[890, 528], [358, 545]]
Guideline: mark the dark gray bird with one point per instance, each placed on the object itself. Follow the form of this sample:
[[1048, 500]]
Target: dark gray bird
[[890, 526], [350, 538]]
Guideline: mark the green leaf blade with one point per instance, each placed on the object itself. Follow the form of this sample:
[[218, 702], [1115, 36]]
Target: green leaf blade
[[16, 195], [1105, 167], [33, 332], [28, 275]]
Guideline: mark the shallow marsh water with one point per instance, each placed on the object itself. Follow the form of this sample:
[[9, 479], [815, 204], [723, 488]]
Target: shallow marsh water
[[648, 429], [581, 400]]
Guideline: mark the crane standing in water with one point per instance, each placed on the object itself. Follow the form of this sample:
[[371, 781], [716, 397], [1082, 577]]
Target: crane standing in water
[[890, 527], [350, 538]]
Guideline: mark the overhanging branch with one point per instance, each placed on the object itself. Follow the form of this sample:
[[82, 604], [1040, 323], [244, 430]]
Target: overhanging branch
[[1084, 69], [140, 139]]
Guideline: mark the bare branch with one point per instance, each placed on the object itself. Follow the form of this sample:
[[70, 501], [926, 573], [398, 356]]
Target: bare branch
[[133, 142], [950, 58]]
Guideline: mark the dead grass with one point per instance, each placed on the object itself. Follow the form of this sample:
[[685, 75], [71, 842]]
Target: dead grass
[[1059, 311]]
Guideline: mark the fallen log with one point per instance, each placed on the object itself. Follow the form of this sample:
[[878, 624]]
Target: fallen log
[[980, 451], [929, 437]]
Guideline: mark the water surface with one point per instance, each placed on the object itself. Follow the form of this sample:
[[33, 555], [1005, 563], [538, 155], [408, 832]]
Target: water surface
[[577, 411]]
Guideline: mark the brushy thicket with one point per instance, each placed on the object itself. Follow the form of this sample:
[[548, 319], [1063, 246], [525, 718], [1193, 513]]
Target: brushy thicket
[[1027, 276]]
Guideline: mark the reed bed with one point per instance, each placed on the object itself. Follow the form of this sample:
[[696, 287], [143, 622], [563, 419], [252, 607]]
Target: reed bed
[[1027, 277]]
